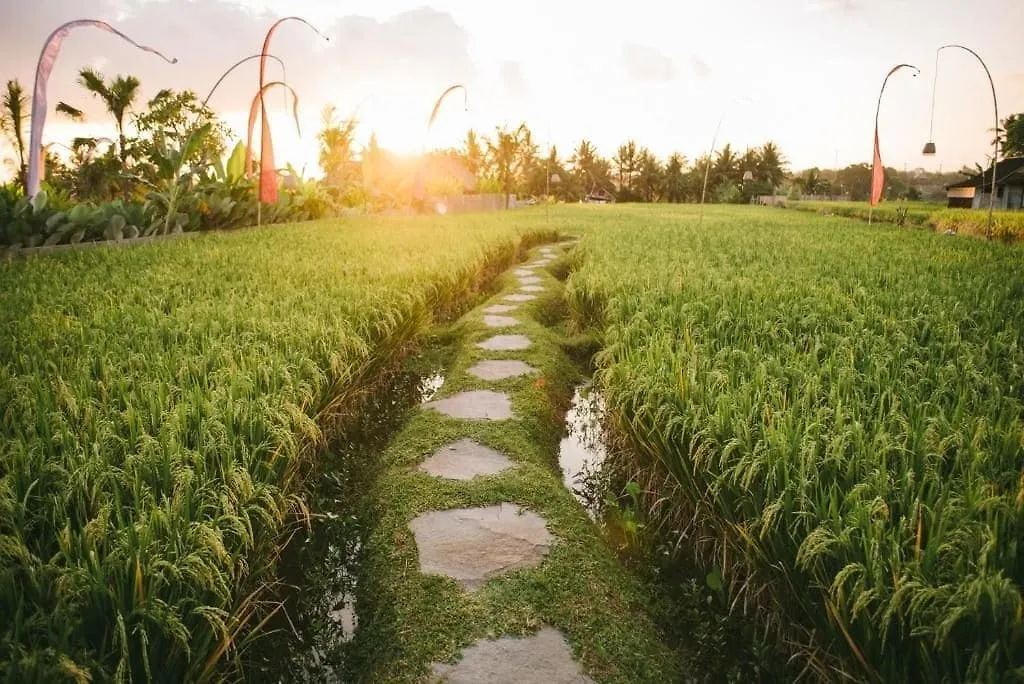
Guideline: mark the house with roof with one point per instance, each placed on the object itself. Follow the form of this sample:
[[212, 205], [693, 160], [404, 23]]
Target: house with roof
[[973, 192]]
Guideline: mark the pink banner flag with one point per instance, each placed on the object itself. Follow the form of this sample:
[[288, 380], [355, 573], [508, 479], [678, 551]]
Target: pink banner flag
[[268, 171], [268, 184], [51, 49], [877, 175]]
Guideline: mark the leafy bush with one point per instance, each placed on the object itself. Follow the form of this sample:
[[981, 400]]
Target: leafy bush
[[1007, 225]]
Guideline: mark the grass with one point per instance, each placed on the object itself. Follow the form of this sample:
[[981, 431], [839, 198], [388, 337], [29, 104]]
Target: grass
[[831, 415], [161, 409], [409, 620], [1007, 225]]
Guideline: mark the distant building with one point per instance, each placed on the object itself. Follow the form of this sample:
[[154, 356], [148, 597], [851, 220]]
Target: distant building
[[599, 196], [973, 192]]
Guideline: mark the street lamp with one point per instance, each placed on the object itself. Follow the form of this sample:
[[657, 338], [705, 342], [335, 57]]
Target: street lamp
[[877, 169], [929, 148]]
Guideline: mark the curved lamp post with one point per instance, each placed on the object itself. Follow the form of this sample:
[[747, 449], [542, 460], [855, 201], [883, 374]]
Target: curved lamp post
[[929, 148], [877, 169], [711, 153], [284, 72]]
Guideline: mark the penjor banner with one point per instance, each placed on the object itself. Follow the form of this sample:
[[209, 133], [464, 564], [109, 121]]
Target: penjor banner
[[51, 50], [268, 174], [268, 181]]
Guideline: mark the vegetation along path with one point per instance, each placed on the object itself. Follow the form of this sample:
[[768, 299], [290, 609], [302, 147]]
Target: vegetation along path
[[482, 566]]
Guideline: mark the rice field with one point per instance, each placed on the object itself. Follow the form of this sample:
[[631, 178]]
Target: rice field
[[831, 416], [160, 408]]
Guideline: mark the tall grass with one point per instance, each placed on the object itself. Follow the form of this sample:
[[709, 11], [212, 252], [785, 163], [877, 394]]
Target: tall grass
[[833, 415], [159, 408]]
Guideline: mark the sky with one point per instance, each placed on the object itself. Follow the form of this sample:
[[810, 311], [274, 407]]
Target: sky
[[803, 73]]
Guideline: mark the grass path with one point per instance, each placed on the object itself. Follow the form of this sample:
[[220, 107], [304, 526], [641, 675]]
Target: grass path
[[410, 619]]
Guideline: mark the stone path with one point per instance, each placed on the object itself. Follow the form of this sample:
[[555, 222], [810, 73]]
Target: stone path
[[500, 321], [473, 545], [500, 370], [506, 343], [475, 405]]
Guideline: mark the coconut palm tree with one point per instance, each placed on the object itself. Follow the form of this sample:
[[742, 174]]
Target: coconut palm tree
[[771, 165], [12, 124], [117, 96], [504, 154]]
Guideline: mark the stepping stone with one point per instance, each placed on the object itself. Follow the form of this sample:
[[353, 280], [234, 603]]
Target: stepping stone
[[548, 252], [532, 288], [464, 460], [500, 309], [500, 321], [519, 298], [471, 545], [500, 370], [529, 280], [523, 272], [505, 343], [475, 405], [544, 658]]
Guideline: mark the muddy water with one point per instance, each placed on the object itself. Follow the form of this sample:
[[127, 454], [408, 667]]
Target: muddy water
[[581, 453]]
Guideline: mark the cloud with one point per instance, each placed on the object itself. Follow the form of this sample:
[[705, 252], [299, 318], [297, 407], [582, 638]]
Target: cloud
[[418, 49], [646, 64], [831, 5], [511, 76]]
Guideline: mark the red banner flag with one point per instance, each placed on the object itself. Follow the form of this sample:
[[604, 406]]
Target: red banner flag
[[268, 171], [877, 175]]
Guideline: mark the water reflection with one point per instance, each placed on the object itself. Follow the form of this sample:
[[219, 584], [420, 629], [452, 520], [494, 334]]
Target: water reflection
[[581, 452], [430, 386]]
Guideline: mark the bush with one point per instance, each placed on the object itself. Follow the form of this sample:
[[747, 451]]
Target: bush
[[1007, 225]]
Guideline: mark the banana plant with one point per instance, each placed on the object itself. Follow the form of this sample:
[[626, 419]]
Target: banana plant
[[174, 182]]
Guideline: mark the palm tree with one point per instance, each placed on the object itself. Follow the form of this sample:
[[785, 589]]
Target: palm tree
[[473, 154], [12, 125], [674, 178], [118, 96], [336, 155], [505, 156], [771, 165], [626, 161]]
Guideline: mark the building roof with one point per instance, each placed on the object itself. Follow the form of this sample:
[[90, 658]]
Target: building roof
[[1008, 172]]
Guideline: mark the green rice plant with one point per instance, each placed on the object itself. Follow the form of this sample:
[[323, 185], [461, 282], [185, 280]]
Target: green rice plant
[[160, 408], [834, 416]]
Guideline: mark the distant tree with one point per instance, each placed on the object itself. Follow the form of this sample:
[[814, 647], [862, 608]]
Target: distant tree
[[12, 126], [473, 154], [1013, 136], [591, 172], [117, 96], [810, 183], [505, 156], [170, 118], [771, 165], [673, 182], [336, 137], [724, 170], [649, 174], [855, 180], [626, 164]]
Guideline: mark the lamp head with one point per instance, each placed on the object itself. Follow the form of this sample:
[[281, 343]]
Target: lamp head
[[748, 176], [929, 149]]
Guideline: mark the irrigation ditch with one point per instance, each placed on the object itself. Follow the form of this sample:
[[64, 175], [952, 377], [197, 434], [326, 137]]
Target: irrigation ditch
[[354, 606]]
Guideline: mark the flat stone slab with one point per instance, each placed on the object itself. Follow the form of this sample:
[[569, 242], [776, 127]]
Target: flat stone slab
[[544, 658], [519, 298], [471, 545], [464, 460], [500, 309], [529, 280], [475, 405], [523, 271], [500, 370], [505, 343], [532, 288], [500, 321]]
